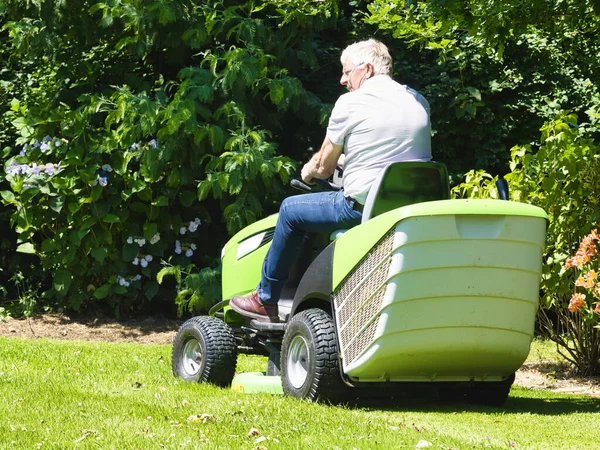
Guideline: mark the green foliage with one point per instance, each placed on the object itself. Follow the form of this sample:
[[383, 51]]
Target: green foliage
[[563, 178], [148, 131], [497, 70], [196, 290]]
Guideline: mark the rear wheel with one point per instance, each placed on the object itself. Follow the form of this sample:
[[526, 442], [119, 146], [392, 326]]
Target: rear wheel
[[492, 394], [309, 358], [204, 351]]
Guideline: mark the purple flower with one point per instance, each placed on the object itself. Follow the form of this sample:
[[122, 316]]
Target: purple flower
[[36, 144], [24, 150], [153, 143], [143, 263], [50, 169], [44, 147], [189, 252], [103, 181], [135, 261], [182, 230], [107, 168]]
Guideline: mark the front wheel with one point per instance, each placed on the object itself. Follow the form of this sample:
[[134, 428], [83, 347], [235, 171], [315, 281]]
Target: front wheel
[[309, 358], [204, 351]]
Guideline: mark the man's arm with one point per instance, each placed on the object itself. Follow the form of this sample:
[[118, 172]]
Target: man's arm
[[323, 163]]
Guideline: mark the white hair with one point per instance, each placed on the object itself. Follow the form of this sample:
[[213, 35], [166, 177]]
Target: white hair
[[372, 52]]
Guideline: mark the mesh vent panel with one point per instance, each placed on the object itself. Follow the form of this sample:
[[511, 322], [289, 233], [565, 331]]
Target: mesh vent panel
[[357, 305]]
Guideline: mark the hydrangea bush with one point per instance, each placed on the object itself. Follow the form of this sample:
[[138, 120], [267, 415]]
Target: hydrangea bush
[[98, 224]]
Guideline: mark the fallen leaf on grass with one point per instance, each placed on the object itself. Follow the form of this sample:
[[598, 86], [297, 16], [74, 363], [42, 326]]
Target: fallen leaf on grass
[[201, 418], [86, 433], [253, 432], [423, 444]]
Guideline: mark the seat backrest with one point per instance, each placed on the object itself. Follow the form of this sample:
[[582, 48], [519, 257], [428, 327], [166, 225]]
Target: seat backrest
[[405, 183]]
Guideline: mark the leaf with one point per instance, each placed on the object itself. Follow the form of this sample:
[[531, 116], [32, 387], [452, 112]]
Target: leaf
[[151, 289], [150, 230], [474, 92], [100, 253], [103, 291], [62, 281], [27, 247], [187, 198], [56, 203], [130, 251], [111, 218]]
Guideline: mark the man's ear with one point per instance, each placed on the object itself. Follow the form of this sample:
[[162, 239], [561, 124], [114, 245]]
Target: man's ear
[[370, 70]]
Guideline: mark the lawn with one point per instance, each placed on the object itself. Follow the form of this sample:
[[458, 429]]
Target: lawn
[[97, 395]]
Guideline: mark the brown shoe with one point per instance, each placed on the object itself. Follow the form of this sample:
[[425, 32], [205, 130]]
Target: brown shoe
[[252, 306]]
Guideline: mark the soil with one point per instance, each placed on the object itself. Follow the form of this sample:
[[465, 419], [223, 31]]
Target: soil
[[535, 375]]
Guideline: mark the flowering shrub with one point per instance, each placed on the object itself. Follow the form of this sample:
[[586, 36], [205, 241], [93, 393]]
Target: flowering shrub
[[587, 302], [96, 221]]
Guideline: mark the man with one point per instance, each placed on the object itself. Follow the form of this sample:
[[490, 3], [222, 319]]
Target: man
[[377, 123]]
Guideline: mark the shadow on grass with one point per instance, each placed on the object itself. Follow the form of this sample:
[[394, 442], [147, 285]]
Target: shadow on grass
[[534, 402]]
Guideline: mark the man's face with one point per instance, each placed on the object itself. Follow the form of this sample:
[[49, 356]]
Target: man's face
[[354, 75]]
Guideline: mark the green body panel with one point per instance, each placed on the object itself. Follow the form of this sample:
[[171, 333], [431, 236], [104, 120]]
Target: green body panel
[[257, 383], [242, 276], [449, 294], [353, 245]]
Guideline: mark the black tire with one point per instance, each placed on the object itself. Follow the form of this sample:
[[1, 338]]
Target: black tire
[[309, 358], [204, 351], [491, 394]]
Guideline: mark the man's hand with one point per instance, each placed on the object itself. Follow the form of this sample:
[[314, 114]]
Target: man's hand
[[307, 172], [323, 163]]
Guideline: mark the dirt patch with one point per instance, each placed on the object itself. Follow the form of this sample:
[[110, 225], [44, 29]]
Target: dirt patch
[[58, 326], [535, 375]]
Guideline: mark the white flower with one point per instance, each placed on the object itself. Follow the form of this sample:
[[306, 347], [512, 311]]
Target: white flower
[[107, 168], [193, 227], [130, 240], [155, 238], [103, 181], [189, 252], [148, 258], [143, 263], [141, 242], [44, 147], [182, 230], [57, 143], [178, 250], [135, 261], [153, 143]]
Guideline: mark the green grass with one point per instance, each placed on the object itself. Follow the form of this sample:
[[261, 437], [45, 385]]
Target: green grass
[[96, 395]]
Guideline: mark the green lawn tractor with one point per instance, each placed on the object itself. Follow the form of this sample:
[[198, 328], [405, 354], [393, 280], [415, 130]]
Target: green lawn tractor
[[426, 293]]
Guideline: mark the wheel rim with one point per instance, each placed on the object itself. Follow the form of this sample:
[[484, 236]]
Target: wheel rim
[[192, 357], [297, 363]]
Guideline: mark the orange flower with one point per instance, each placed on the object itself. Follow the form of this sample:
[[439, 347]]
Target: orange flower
[[587, 249], [577, 302], [587, 280], [597, 308]]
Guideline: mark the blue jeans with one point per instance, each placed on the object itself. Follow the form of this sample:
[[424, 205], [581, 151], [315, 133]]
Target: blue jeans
[[319, 212]]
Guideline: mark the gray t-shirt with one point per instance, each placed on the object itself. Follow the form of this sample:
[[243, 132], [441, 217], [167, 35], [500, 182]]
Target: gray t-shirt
[[380, 123]]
